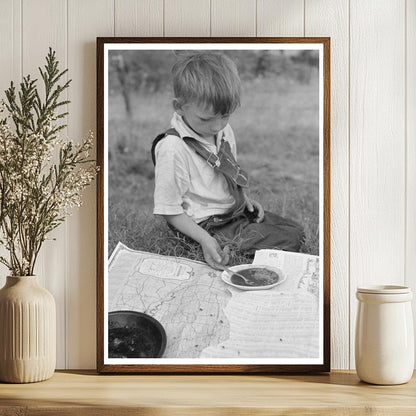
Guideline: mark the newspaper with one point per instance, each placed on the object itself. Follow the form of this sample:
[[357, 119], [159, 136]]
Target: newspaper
[[205, 317], [301, 269]]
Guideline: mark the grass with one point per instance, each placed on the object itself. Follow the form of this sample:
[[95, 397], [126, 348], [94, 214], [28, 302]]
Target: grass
[[154, 236], [277, 140]]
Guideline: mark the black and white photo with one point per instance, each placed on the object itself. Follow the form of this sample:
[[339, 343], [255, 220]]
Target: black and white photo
[[213, 250]]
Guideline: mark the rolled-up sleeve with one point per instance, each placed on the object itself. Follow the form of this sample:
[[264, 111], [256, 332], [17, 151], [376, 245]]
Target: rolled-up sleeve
[[171, 176]]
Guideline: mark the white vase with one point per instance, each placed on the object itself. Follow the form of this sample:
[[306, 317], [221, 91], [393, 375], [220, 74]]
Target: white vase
[[384, 338], [27, 331]]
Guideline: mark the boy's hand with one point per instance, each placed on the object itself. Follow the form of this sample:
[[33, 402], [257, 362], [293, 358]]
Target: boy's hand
[[255, 207], [213, 254]]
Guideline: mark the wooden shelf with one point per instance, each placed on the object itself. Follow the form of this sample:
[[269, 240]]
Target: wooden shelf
[[86, 393]]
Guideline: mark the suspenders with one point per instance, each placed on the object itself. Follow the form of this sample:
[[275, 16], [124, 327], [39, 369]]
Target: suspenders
[[169, 132], [223, 162]]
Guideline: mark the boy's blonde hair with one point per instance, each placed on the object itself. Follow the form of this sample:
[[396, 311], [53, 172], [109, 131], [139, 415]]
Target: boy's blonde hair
[[208, 79]]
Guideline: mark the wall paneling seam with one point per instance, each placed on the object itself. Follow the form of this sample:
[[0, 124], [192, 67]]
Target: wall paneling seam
[[21, 40], [304, 18], [210, 17], [405, 145], [65, 344], [349, 185]]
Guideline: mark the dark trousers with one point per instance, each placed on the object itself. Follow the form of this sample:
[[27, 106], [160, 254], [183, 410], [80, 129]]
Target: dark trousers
[[275, 232]]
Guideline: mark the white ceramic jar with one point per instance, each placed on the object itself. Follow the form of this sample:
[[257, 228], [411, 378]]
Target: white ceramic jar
[[384, 337]]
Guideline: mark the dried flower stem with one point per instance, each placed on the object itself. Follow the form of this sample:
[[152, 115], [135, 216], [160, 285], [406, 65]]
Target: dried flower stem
[[37, 194]]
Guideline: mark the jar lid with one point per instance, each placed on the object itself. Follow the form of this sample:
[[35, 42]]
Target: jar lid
[[384, 289]]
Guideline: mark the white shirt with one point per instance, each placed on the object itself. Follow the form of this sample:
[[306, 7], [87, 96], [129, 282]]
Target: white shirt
[[184, 182]]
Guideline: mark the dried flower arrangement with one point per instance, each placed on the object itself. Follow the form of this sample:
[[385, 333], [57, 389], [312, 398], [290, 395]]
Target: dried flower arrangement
[[42, 176]]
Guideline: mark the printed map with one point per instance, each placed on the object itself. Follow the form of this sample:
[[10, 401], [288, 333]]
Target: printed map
[[205, 317], [187, 297]]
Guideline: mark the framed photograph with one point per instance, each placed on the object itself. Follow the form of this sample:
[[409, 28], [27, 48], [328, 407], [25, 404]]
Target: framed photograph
[[213, 227]]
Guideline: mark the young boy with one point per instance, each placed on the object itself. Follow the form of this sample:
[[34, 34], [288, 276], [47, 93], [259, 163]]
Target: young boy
[[199, 187]]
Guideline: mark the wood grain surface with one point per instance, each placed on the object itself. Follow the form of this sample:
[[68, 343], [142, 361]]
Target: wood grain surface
[[330, 18], [138, 18], [85, 18], [410, 259], [280, 18], [377, 149], [36, 39], [85, 393], [233, 18], [187, 18]]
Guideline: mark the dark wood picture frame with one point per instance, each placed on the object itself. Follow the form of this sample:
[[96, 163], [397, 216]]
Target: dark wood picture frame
[[324, 366]]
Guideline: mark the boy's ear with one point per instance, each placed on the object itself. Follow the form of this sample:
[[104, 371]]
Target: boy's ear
[[177, 107]]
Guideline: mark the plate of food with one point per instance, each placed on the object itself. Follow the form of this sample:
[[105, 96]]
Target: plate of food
[[253, 276], [135, 335]]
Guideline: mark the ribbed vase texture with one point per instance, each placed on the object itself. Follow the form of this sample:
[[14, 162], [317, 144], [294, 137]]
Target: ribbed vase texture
[[27, 331]]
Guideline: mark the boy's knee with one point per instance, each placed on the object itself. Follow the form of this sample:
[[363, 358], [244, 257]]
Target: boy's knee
[[292, 237]]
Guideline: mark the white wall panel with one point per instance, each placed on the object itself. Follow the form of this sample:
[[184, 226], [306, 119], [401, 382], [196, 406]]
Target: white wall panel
[[330, 18], [138, 17], [373, 130], [233, 18], [411, 151], [44, 24], [377, 152], [187, 18], [10, 66], [87, 20], [10, 44], [280, 18]]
